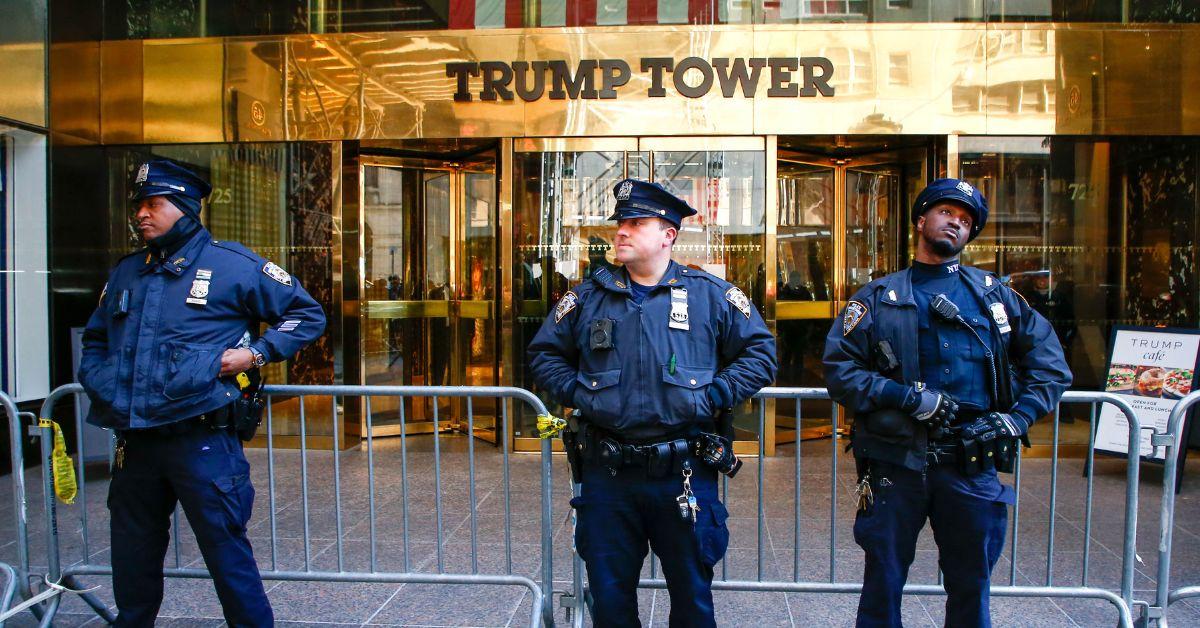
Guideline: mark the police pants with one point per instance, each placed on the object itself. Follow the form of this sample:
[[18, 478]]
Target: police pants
[[969, 521], [205, 471], [617, 515]]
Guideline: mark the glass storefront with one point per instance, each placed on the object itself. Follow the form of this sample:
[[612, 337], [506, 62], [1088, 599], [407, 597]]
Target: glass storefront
[[444, 286], [1093, 232]]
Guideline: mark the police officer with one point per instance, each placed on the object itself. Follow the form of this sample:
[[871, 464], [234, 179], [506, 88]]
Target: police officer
[[177, 321], [944, 369], [652, 354]]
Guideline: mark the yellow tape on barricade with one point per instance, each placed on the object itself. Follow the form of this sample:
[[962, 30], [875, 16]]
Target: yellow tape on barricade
[[549, 426], [63, 469]]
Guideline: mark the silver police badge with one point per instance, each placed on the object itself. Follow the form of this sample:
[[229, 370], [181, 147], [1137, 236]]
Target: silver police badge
[[853, 315], [199, 292], [143, 173], [564, 307], [739, 300], [625, 191], [277, 273], [1000, 315], [199, 288]]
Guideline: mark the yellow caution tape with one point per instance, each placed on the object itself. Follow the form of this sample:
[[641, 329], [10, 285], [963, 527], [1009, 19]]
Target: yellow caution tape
[[63, 468], [549, 425]]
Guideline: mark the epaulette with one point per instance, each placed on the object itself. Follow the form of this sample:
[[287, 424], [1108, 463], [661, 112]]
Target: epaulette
[[239, 248], [696, 273]]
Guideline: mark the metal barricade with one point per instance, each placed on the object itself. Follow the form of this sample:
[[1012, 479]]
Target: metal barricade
[[1122, 600], [1172, 441], [541, 610]]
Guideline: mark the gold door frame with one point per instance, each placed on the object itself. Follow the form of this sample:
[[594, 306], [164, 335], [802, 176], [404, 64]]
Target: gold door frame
[[451, 309]]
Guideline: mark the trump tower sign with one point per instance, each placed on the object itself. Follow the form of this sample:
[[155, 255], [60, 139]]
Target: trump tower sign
[[602, 79]]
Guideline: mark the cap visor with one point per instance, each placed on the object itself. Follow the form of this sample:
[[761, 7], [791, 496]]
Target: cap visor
[[634, 212]]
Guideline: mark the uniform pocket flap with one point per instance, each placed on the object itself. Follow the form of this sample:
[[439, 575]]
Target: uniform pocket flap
[[230, 483], [688, 377], [599, 381]]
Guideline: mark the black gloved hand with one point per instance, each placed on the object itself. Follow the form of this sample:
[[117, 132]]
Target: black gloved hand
[[717, 452], [1000, 423], [934, 407]]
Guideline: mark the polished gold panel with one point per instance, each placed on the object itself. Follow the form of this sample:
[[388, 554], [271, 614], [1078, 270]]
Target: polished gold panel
[[184, 93], [121, 106], [408, 309], [75, 90], [944, 79], [24, 95], [796, 310]]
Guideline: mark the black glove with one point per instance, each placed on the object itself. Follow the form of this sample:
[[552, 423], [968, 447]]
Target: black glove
[[935, 409], [717, 452], [1001, 423]]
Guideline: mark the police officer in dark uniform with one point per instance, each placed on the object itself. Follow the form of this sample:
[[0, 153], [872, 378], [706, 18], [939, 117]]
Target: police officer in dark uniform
[[945, 369], [177, 321], [653, 355]]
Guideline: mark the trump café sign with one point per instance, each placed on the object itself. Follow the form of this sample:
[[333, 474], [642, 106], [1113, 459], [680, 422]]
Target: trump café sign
[[605, 79]]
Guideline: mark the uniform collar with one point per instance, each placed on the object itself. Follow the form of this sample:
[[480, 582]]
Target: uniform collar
[[898, 288], [617, 279], [178, 262], [980, 281]]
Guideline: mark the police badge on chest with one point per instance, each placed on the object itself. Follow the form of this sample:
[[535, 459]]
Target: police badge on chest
[[198, 295], [679, 309]]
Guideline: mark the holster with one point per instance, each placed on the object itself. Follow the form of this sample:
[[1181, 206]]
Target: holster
[[574, 442], [245, 414]]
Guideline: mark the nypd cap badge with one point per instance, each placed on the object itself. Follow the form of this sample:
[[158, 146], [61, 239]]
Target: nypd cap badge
[[278, 274], [625, 191]]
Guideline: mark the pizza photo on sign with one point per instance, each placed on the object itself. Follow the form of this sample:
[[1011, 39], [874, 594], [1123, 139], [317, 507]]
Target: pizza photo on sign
[[1177, 384], [1122, 378], [1150, 380]]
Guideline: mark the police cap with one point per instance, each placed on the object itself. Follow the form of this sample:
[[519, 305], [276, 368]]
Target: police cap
[[958, 191], [639, 198], [167, 178]]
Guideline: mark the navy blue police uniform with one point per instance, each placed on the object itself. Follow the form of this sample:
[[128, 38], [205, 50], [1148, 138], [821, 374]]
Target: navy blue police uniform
[[650, 369], [151, 357], [889, 354]]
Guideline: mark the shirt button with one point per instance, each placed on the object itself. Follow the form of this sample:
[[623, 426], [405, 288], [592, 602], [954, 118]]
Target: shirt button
[[946, 371], [593, 384], [693, 382], [946, 345]]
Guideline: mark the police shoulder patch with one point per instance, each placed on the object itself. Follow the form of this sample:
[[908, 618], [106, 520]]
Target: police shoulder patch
[[565, 305], [278, 274], [852, 316], [739, 300]]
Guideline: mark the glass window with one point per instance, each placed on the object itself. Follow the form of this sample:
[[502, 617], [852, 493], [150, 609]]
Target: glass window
[[151, 19], [1093, 233], [898, 69]]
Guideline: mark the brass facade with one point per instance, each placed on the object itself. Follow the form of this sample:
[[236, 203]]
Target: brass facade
[[940, 79]]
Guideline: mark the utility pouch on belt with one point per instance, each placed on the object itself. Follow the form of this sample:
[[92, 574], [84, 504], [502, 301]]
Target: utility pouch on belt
[[976, 451], [1006, 454], [245, 414]]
